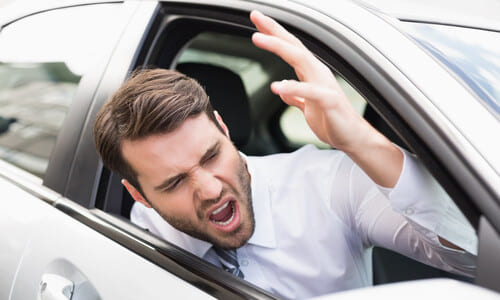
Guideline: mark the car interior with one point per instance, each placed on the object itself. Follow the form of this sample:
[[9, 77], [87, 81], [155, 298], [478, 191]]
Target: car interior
[[236, 76]]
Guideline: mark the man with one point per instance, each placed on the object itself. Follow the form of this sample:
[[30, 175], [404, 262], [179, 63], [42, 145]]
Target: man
[[302, 224]]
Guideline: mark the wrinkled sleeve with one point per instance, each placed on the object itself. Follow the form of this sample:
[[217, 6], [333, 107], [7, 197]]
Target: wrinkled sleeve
[[410, 217]]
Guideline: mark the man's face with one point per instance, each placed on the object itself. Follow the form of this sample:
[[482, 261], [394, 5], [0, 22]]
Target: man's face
[[196, 180]]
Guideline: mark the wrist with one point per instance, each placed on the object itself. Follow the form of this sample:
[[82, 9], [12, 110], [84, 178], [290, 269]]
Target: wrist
[[367, 142], [364, 138], [379, 158]]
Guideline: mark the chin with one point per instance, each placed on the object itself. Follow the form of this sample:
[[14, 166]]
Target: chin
[[237, 239]]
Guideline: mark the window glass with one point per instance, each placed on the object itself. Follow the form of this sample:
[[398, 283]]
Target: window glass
[[42, 59], [229, 55]]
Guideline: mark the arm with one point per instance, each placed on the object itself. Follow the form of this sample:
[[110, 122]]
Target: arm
[[326, 108], [407, 218]]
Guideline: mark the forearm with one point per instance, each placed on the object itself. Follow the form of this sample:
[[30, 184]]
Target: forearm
[[412, 218], [380, 159]]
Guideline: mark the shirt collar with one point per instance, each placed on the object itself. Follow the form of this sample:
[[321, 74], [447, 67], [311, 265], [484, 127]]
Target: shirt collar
[[196, 246], [263, 235]]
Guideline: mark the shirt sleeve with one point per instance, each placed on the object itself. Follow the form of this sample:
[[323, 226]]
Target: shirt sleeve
[[410, 217], [425, 204]]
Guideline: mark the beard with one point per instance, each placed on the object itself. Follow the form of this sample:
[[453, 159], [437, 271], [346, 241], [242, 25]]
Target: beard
[[231, 240]]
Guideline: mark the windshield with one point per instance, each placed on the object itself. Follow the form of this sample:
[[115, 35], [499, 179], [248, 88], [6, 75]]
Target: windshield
[[473, 55]]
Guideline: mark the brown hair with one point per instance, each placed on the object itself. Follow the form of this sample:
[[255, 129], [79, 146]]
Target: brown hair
[[150, 102]]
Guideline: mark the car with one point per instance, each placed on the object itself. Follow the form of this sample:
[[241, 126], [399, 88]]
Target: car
[[426, 75]]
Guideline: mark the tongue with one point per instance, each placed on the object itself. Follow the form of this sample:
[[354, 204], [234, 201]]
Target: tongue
[[223, 215]]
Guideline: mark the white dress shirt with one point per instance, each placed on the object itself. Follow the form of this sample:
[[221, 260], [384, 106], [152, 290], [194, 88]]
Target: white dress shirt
[[318, 215]]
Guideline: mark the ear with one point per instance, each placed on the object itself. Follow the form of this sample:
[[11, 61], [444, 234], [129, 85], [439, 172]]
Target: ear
[[221, 123], [135, 193]]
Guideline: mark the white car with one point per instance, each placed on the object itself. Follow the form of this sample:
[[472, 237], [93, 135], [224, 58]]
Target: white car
[[427, 75]]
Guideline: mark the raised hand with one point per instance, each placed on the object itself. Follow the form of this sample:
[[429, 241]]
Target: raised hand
[[326, 108]]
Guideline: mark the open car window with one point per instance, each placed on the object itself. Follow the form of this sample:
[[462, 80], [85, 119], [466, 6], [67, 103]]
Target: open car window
[[274, 127], [286, 127]]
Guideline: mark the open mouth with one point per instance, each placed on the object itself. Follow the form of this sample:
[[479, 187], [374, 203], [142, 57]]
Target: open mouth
[[223, 215]]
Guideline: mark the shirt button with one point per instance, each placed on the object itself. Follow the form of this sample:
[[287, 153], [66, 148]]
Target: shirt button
[[409, 211], [244, 262]]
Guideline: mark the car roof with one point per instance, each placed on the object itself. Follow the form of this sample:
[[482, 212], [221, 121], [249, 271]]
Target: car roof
[[481, 14], [15, 9], [478, 14]]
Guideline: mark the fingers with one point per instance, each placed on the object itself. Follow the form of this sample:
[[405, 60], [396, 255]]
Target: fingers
[[294, 56], [268, 26], [276, 39], [306, 65], [298, 93]]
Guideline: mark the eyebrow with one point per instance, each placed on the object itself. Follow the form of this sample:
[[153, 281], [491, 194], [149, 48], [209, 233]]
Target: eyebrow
[[170, 181]]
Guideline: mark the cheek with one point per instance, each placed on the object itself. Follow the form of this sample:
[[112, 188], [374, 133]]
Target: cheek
[[178, 205], [228, 166]]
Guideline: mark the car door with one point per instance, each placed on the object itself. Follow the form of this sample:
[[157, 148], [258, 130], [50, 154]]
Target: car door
[[94, 195], [182, 28], [51, 63]]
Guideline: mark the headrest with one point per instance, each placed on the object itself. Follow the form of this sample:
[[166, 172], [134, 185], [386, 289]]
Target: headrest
[[227, 95]]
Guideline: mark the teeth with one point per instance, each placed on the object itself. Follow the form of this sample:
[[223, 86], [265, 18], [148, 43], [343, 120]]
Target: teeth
[[228, 221], [218, 210]]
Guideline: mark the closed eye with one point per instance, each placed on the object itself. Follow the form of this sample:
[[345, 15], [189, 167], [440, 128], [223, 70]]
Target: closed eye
[[211, 154], [174, 183]]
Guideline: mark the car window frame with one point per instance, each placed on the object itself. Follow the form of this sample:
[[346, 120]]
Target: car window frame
[[375, 99], [139, 241]]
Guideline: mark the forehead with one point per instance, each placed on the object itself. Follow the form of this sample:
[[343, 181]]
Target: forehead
[[159, 156]]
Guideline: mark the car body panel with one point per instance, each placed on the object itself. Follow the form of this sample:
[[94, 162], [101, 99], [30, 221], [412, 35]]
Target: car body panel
[[16, 10], [477, 14], [93, 260], [418, 289]]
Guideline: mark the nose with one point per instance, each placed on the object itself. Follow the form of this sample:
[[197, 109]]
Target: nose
[[207, 185]]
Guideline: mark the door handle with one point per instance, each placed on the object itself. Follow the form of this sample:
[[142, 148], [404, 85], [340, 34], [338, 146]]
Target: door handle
[[55, 287]]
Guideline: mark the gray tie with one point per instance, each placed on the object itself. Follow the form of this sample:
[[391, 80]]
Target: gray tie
[[229, 261]]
